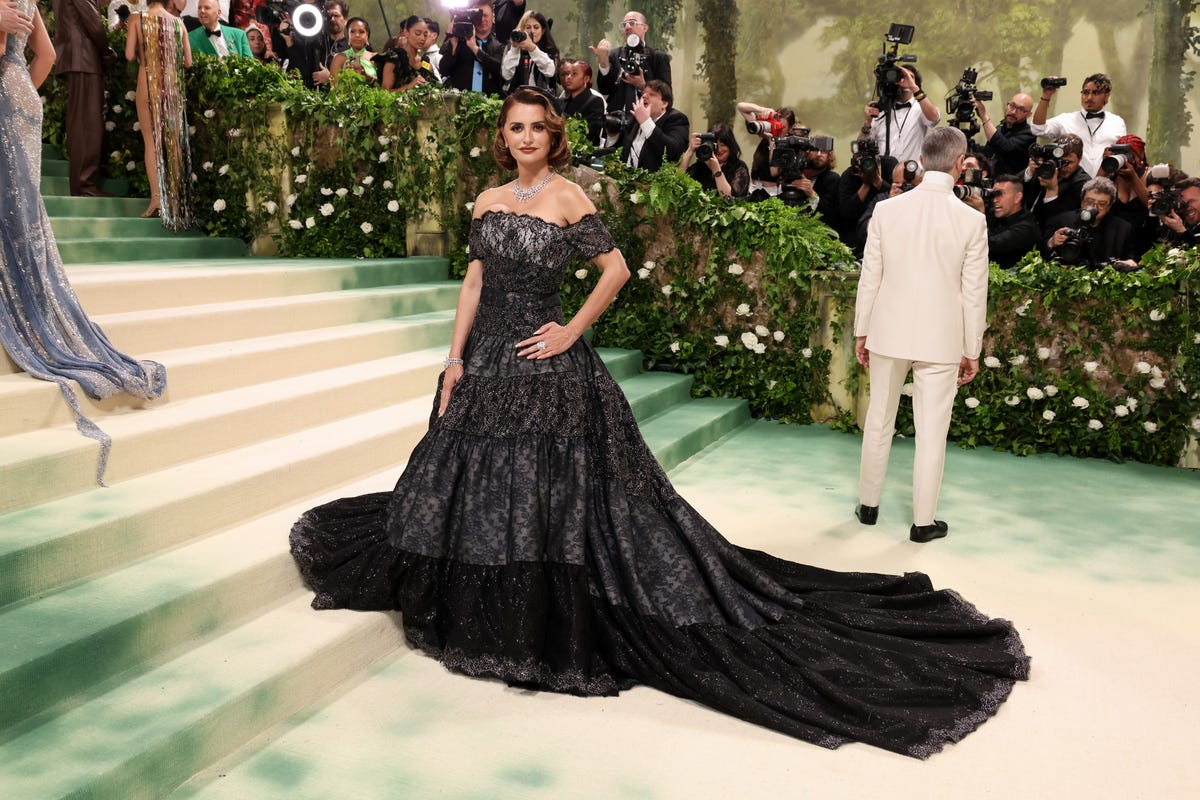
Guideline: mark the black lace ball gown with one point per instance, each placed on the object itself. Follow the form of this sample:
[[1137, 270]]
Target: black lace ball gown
[[534, 538]]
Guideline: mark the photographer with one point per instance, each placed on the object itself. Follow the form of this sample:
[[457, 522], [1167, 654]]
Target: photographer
[[1012, 230], [718, 163], [1055, 185], [900, 129], [472, 64], [1181, 225], [1095, 127], [1091, 236], [764, 179], [820, 171], [626, 70], [1125, 165], [906, 176], [1009, 143], [531, 57], [868, 175], [578, 99], [310, 55], [657, 133]]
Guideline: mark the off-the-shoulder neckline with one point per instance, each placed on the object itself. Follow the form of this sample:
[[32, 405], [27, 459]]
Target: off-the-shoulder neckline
[[543, 220]]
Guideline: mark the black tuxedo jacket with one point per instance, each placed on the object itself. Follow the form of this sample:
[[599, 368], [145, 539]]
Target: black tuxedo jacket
[[1070, 196], [457, 66], [1010, 148], [1113, 237], [620, 95], [667, 143], [1011, 237]]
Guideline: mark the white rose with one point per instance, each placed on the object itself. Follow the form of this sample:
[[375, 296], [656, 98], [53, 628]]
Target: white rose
[[1043, 353], [1048, 415], [1196, 424], [1090, 366], [234, 133], [667, 290], [1080, 402], [721, 341], [131, 96], [749, 340], [296, 151], [760, 348], [393, 206], [778, 336], [806, 352], [388, 184], [326, 209], [1156, 315], [270, 206], [649, 265], [206, 166], [219, 205], [359, 190], [342, 192], [310, 223], [643, 273], [1196, 338], [1050, 390], [1121, 411], [1132, 403], [762, 330], [1017, 361], [971, 402], [384, 141], [792, 275], [674, 347], [367, 227], [743, 310], [368, 180], [771, 385], [1095, 424], [117, 109], [1156, 372], [906, 390], [129, 165], [1158, 383], [1142, 367], [1150, 427], [581, 273], [110, 126], [1022, 309], [191, 130], [470, 206], [326, 191], [136, 126], [224, 170], [475, 151], [1012, 399], [209, 113], [1034, 393], [301, 178], [735, 269], [295, 224], [991, 362], [383, 157]]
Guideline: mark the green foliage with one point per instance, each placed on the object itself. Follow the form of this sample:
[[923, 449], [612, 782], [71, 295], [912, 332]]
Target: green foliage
[[718, 66]]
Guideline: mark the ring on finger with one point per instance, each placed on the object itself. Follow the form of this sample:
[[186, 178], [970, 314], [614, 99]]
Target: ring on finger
[[541, 345]]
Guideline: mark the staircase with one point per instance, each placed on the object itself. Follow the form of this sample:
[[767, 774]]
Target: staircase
[[152, 628]]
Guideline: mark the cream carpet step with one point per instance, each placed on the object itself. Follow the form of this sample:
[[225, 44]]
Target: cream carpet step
[[29, 404], [150, 608], [61, 541], [149, 734], [44, 465], [171, 328], [144, 285]]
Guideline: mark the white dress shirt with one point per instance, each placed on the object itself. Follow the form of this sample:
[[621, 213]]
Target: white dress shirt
[[1097, 134], [907, 134]]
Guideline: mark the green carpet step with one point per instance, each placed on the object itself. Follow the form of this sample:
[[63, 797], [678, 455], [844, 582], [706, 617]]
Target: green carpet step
[[95, 206], [172, 328], [620, 363], [85, 534], [50, 151], [28, 404], [652, 393], [44, 465], [141, 741], [137, 613], [683, 431], [55, 184], [108, 228], [183, 245], [55, 167], [110, 288]]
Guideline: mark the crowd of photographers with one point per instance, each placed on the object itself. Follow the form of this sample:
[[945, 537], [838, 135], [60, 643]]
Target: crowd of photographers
[[1076, 186]]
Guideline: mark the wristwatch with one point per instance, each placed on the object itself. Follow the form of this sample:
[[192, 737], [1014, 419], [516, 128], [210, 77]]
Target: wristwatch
[[718, 174]]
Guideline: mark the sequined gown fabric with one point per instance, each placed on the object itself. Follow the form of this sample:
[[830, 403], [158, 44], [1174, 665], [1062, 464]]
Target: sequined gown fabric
[[533, 537], [161, 56], [42, 325]]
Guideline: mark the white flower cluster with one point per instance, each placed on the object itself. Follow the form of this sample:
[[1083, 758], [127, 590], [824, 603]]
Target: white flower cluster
[[1023, 309], [735, 269]]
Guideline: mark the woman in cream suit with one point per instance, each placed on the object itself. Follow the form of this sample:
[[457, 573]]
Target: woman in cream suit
[[922, 305]]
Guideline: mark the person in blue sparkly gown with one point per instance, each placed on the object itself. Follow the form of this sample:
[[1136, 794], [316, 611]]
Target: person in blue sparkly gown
[[43, 327], [533, 538]]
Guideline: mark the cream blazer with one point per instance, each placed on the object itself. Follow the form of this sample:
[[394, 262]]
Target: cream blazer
[[922, 294]]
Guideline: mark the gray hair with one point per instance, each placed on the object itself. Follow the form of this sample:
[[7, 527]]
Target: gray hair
[[942, 148], [1103, 186]]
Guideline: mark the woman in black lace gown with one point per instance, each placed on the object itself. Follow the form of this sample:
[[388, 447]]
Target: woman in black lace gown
[[534, 538]]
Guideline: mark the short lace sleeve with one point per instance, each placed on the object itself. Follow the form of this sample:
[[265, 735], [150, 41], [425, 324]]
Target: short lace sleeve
[[475, 246], [590, 238]]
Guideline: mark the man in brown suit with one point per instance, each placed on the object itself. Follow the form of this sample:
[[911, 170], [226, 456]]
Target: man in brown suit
[[81, 42]]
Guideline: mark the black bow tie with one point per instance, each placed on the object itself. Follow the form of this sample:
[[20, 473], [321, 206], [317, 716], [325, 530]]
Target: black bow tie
[[216, 33], [1094, 115], [903, 105]]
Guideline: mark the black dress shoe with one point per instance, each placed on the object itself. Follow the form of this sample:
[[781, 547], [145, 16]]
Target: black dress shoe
[[927, 533], [867, 514]]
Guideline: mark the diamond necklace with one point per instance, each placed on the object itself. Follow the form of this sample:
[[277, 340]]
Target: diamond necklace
[[524, 195]]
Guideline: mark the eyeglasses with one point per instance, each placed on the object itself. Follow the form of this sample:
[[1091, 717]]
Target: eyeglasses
[[1016, 107], [1090, 92], [631, 23], [1100, 205]]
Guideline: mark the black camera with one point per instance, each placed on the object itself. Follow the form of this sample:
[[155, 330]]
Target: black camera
[[708, 146], [1077, 248], [864, 157], [888, 72], [960, 103], [790, 157], [1166, 202], [516, 37], [974, 185], [631, 61], [910, 175], [1053, 83], [1117, 158], [1051, 155], [464, 22]]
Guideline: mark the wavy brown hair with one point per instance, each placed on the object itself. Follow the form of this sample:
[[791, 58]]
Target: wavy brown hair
[[560, 148]]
